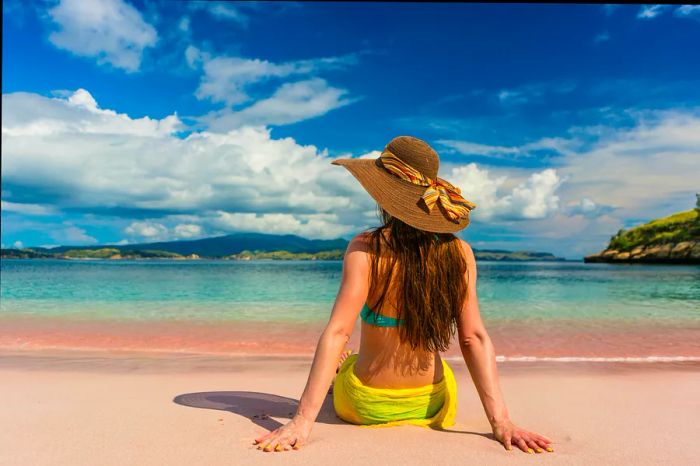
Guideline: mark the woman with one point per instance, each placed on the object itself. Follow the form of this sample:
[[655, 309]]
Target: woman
[[413, 283]]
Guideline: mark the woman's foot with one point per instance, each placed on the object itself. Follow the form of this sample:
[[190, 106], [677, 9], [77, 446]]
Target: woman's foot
[[343, 356]]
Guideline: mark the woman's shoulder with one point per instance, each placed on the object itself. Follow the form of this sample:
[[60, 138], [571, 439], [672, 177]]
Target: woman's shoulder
[[359, 242], [466, 250]]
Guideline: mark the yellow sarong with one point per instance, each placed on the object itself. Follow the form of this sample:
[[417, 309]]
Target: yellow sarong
[[433, 405]]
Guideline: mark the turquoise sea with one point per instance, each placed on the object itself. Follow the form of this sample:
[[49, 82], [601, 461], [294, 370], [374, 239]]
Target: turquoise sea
[[568, 296]]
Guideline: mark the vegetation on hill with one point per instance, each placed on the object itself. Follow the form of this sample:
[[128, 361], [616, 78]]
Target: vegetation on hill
[[499, 255], [237, 246], [336, 254], [24, 254], [220, 246], [683, 226], [100, 253], [672, 239]]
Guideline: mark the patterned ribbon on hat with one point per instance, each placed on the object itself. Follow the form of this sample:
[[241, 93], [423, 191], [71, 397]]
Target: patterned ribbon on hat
[[450, 196]]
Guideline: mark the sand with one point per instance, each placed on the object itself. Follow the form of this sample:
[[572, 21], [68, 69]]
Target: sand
[[86, 409]]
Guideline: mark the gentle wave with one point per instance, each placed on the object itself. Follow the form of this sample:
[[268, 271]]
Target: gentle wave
[[635, 359]]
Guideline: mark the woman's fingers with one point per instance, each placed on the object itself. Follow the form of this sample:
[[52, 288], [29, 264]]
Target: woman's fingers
[[285, 444], [521, 443], [276, 444], [528, 442], [541, 443], [506, 442], [544, 442], [287, 437], [280, 443], [268, 442], [533, 445], [265, 437]]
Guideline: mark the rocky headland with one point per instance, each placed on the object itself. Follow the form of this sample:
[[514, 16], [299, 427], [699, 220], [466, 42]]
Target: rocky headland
[[671, 240]]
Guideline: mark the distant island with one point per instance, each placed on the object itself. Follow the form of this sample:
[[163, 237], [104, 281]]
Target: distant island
[[672, 240], [236, 246]]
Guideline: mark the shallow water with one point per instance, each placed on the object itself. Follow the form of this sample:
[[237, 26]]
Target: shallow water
[[534, 308]]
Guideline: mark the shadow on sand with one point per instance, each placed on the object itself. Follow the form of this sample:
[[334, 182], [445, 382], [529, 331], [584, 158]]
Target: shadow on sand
[[487, 435], [260, 408]]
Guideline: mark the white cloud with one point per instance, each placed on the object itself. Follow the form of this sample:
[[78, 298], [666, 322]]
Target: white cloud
[[291, 102], [147, 229], [112, 31], [184, 24], [223, 11], [642, 172], [322, 226], [27, 209], [512, 96], [685, 11], [650, 11], [533, 198], [82, 157], [283, 93], [587, 208], [70, 154], [71, 234], [226, 79], [558, 145], [637, 168], [193, 56], [620, 167], [18, 245], [533, 92], [78, 113], [187, 230], [369, 155], [472, 148]]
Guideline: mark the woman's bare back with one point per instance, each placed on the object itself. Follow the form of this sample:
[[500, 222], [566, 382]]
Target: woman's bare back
[[383, 361]]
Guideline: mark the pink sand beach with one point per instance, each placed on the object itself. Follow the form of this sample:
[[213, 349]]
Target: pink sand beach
[[113, 407]]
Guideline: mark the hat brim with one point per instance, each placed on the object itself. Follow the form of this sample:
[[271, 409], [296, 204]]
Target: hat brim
[[401, 198]]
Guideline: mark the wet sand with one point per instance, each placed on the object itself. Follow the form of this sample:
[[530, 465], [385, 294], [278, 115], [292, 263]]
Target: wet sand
[[562, 339]]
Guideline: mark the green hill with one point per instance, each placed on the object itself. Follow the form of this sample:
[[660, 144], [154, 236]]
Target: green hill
[[336, 254], [220, 246], [237, 246], [672, 239]]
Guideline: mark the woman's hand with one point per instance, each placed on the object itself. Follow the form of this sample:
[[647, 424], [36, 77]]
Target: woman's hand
[[291, 435], [508, 433]]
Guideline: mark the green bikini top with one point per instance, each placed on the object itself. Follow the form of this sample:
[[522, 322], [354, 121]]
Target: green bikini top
[[380, 320]]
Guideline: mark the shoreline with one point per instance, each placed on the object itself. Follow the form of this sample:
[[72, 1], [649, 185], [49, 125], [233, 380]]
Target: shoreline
[[564, 341], [129, 361]]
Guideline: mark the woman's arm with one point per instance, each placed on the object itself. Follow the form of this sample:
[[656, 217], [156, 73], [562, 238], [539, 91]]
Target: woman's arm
[[351, 296], [480, 357]]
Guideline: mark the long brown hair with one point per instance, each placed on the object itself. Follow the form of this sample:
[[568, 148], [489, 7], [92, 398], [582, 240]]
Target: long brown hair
[[429, 284]]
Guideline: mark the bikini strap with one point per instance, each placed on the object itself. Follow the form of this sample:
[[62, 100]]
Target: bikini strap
[[380, 320]]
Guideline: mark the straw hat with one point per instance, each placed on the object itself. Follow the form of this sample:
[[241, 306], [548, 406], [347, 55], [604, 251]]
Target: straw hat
[[404, 182]]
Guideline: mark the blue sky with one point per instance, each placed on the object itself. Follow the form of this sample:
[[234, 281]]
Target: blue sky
[[130, 121]]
